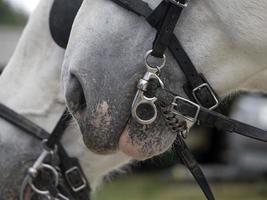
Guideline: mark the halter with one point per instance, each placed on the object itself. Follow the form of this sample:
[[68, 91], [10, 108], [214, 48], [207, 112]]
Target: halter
[[181, 114]]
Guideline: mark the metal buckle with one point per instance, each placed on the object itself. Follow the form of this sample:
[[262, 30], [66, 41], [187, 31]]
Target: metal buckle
[[189, 120], [178, 3], [76, 171], [205, 85]]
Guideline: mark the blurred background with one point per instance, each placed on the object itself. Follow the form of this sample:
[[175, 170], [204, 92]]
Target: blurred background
[[236, 166], [13, 17]]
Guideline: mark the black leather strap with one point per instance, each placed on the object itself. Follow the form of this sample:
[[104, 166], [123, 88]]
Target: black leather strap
[[55, 137], [73, 175], [37, 132], [210, 118], [182, 151], [164, 18], [70, 167], [22, 123], [156, 17], [204, 96]]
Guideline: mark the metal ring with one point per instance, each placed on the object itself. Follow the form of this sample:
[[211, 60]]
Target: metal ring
[[45, 192], [159, 67], [145, 121]]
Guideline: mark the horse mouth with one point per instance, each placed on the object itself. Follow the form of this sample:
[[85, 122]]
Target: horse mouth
[[106, 129]]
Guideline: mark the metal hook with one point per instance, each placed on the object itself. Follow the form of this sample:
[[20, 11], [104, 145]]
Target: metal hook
[[140, 98]]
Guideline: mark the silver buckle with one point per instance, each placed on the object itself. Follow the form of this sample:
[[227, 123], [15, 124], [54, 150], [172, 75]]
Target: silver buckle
[[74, 187], [211, 92], [190, 121], [178, 3]]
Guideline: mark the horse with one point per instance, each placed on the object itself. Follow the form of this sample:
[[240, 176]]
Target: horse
[[31, 87], [104, 58]]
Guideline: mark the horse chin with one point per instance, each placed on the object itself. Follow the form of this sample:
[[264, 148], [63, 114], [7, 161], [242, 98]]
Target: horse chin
[[143, 149], [102, 135], [132, 147], [134, 151]]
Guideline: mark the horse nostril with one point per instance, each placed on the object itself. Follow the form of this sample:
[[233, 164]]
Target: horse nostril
[[75, 95]]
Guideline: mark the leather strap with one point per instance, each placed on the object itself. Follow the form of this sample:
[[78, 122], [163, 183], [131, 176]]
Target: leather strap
[[204, 96], [37, 132], [182, 151], [55, 137], [165, 17], [70, 167], [73, 175], [22, 123], [210, 118], [156, 17]]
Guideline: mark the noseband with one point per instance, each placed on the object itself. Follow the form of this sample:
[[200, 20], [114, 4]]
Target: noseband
[[181, 114]]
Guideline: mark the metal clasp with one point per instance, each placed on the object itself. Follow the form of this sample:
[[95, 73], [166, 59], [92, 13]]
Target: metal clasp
[[75, 171], [205, 85], [140, 98], [190, 121], [35, 170], [178, 3], [56, 179]]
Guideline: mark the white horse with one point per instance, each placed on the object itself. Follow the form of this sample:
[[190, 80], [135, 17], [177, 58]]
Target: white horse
[[226, 41], [30, 85]]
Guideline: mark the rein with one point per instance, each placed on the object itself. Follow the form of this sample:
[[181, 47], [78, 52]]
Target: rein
[[75, 183], [68, 180]]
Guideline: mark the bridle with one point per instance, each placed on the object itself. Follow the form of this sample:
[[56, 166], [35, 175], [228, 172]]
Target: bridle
[[181, 114], [66, 178]]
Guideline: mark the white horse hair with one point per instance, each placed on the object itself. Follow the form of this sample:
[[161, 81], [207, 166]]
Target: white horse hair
[[31, 86], [226, 41]]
